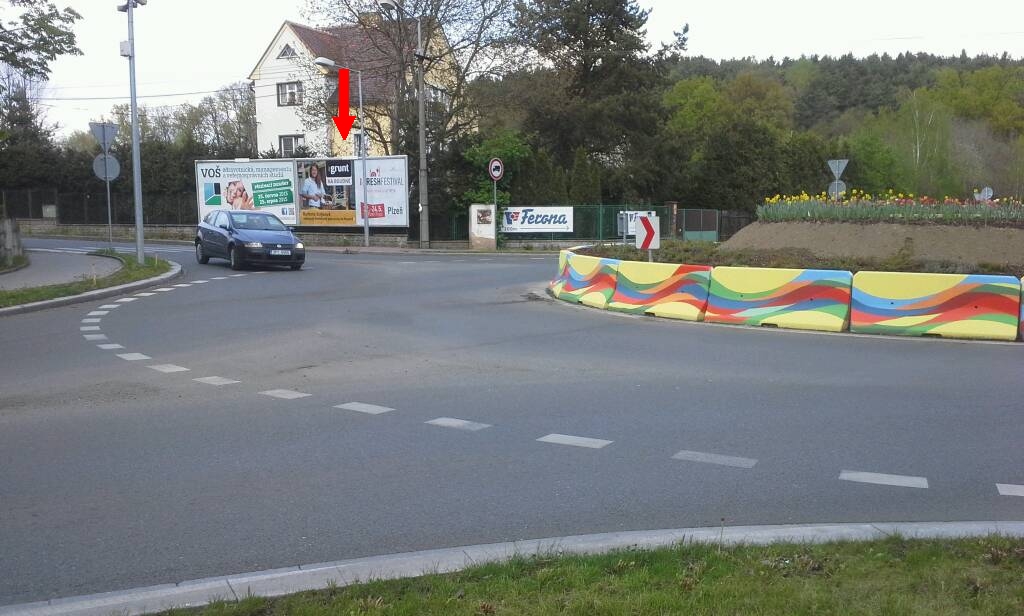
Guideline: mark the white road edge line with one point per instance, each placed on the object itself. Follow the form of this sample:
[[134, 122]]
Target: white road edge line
[[457, 424], [902, 481], [215, 380], [133, 356], [284, 394], [1009, 489], [369, 409], [575, 441], [714, 458], [168, 368]]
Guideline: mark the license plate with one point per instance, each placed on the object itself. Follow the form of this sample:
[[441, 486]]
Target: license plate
[[280, 253]]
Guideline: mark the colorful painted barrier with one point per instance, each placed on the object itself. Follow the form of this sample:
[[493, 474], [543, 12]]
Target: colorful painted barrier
[[793, 298], [662, 289], [587, 280], [947, 305]]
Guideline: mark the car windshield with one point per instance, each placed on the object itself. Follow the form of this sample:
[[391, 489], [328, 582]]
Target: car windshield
[[257, 222]]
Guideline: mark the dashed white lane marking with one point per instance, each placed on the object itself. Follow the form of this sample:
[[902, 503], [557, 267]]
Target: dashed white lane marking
[[125, 300], [109, 306], [133, 356], [485, 259], [575, 441], [903, 481], [714, 458], [284, 394], [458, 424], [92, 320], [537, 258], [89, 328], [1008, 489], [109, 347], [200, 281], [98, 313], [94, 337], [260, 272], [167, 368], [407, 262], [215, 380], [238, 275], [359, 407], [219, 278], [164, 289], [145, 294], [182, 285], [458, 260]]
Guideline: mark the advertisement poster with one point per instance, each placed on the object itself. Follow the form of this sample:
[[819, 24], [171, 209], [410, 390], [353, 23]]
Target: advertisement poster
[[536, 220], [310, 192], [267, 185]]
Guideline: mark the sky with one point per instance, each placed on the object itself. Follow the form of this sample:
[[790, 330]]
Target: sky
[[188, 48]]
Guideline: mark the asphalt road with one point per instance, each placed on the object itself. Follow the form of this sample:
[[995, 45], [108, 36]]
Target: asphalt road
[[114, 474]]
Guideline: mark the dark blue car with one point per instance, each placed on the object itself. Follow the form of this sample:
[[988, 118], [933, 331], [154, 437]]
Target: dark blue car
[[247, 236]]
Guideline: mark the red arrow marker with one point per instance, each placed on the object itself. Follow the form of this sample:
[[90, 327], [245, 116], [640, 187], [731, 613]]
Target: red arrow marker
[[343, 121], [648, 233]]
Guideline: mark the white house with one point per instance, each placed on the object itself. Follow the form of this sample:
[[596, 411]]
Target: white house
[[284, 77]]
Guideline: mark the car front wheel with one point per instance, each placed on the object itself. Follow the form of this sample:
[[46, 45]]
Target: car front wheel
[[201, 254], [236, 258]]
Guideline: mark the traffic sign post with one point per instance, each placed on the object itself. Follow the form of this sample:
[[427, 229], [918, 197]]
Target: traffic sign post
[[496, 169], [648, 234], [105, 166], [838, 187]]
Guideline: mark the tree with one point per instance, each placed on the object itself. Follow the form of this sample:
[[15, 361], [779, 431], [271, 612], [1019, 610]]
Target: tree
[[39, 34], [27, 154]]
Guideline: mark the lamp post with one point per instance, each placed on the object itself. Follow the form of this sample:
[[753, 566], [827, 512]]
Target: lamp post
[[332, 65], [396, 5], [128, 7]]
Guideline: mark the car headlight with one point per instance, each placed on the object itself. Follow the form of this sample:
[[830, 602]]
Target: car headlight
[[299, 245], [254, 244]]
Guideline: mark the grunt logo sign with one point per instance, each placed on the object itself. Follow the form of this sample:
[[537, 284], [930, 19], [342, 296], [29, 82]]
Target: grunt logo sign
[[537, 220]]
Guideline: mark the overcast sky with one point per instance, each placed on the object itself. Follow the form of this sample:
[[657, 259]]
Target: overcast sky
[[186, 46]]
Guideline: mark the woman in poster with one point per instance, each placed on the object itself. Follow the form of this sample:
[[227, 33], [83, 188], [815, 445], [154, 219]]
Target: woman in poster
[[313, 193]]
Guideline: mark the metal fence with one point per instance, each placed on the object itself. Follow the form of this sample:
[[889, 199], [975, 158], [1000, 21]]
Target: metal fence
[[91, 208], [590, 222]]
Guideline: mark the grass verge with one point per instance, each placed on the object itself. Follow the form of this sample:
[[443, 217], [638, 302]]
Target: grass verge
[[130, 272], [891, 576], [706, 253]]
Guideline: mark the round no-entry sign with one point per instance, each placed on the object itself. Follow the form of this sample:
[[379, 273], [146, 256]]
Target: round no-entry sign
[[496, 169]]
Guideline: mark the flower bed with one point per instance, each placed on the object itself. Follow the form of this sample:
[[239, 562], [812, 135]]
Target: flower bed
[[892, 208]]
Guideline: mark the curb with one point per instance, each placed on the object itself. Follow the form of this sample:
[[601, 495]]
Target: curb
[[93, 295], [276, 582]]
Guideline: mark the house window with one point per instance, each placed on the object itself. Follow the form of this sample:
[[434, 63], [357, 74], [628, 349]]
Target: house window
[[290, 143], [287, 52], [289, 94]]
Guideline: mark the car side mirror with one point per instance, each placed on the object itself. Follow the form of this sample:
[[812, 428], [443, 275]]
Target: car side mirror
[[224, 226]]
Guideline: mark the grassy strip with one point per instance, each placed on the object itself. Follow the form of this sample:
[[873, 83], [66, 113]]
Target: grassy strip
[[130, 272], [891, 576], [706, 253]]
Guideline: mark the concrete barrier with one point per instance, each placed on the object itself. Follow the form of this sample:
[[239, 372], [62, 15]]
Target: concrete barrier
[[586, 280], [661, 289], [792, 298], [948, 305]]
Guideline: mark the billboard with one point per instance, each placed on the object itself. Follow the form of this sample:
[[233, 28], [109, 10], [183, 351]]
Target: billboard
[[536, 220], [267, 185], [313, 192]]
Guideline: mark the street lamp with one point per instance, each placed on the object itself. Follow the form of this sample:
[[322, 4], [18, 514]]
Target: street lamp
[[396, 5], [127, 7], [332, 65]]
